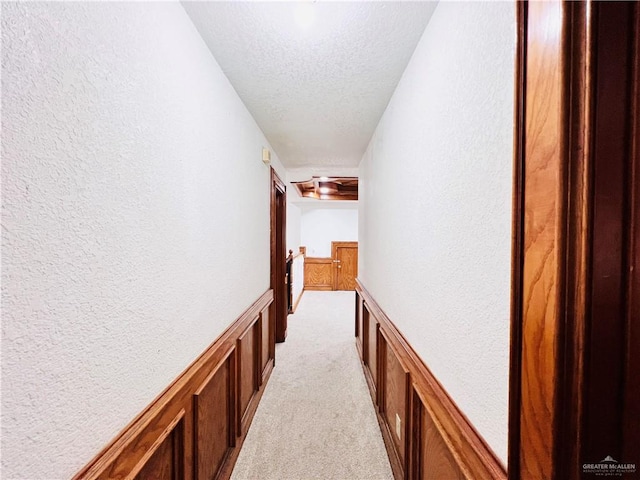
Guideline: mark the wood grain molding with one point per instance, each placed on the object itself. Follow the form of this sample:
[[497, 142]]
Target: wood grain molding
[[267, 340], [575, 261], [297, 301], [318, 273], [278, 249], [393, 401], [248, 373], [196, 427], [433, 451], [426, 434], [215, 432], [164, 458], [359, 326]]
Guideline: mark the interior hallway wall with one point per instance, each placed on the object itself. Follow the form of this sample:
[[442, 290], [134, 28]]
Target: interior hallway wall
[[321, 226], [135, 202], [294, 243], [435, 207], [293, 224]]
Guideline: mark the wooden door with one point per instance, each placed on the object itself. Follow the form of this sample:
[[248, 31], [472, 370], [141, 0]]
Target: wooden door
[[575, 394], [345, 261], [278, 255]]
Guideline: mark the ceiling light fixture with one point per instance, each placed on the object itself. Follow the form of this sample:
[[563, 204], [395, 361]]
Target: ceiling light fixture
[[324, 190]]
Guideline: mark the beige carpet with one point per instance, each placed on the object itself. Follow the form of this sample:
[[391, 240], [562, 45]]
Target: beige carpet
[[316, 419]]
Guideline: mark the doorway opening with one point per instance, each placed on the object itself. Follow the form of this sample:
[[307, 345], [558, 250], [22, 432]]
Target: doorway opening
[[278, 255]]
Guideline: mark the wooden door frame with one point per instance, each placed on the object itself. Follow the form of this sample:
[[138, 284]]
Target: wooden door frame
[[278, 257], [334, 256], [557, 128]]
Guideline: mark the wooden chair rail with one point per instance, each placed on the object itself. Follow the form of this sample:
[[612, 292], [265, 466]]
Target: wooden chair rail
[[427, 411], [215, 398]]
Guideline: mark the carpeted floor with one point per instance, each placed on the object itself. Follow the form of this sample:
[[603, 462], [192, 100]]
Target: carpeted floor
[[316, 419]]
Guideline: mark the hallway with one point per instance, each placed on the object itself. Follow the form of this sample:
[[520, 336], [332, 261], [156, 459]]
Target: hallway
[[154, 156], [316, 418]]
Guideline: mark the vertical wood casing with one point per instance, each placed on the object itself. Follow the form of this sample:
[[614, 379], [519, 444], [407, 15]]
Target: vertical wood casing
[[543, 222], [517, 246], [631, 401], [434, 439], [575, 307], [278, 218], [372, 358], [196, 427], [432, 452], [215, 433], [611, 264], [393, 402]]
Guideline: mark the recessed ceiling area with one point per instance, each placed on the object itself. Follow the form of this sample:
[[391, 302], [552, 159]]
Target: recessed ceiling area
[[329, 188], [316, 76]]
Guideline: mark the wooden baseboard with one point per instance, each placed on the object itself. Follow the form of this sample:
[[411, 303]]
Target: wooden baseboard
[[196, 427], [227, 466], [426, 434], [319, 288], [297, 302]]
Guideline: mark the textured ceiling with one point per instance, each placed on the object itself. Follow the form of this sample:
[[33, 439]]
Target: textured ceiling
[[316, 76]]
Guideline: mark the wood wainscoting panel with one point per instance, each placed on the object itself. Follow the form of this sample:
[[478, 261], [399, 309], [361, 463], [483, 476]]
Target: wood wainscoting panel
[[425, 433], [214, 421], [432, 453], [189, 431], [267, 344], [370, 356], [372, 348], [435, 456], [248, 379], [163, 461], [318, 273], [358, 325], [394, 398], [365, 354]]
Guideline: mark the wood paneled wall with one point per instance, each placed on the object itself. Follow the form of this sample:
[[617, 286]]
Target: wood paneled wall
[[196, 427], [426, 435], [318, 273]]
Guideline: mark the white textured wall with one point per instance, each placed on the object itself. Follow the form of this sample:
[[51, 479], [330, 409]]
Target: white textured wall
[[298, 277], [435, 207], [135, 202], [293, 224], [321, 226], [293, 242]]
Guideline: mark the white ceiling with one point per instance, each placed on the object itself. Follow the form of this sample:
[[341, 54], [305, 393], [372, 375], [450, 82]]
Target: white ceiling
[[316, 76]]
